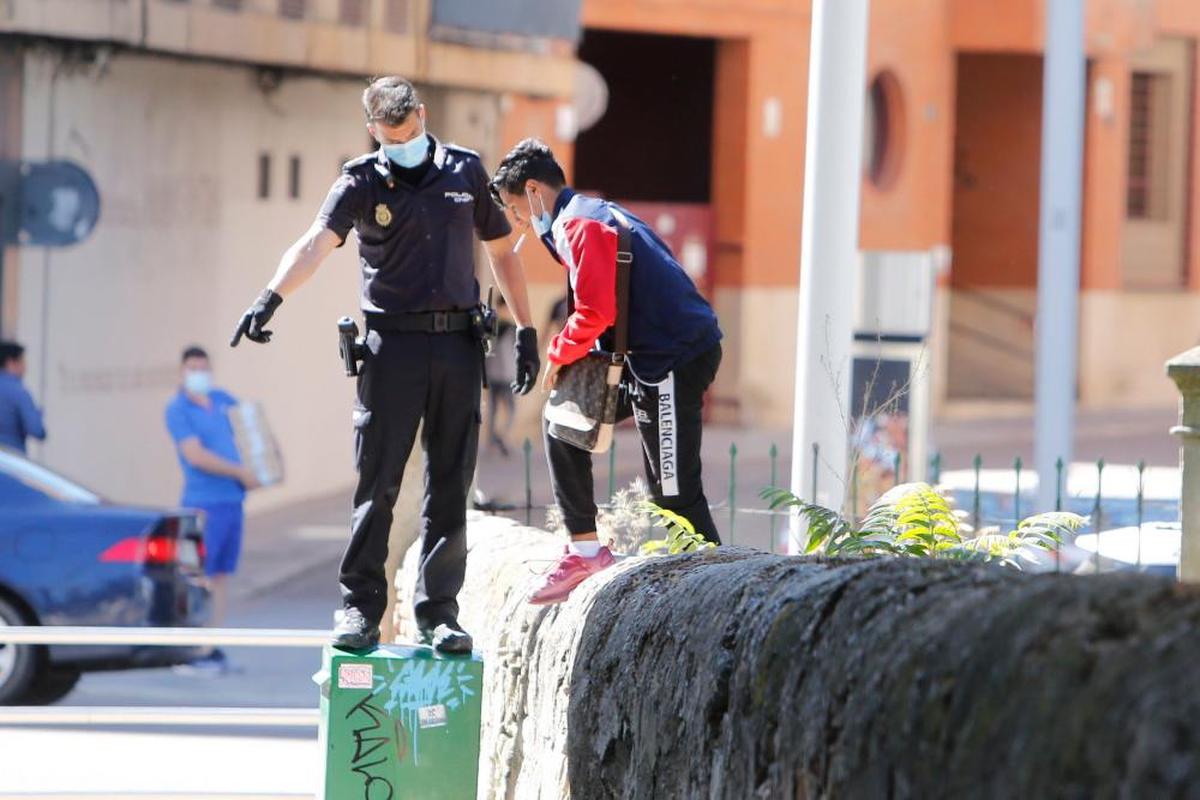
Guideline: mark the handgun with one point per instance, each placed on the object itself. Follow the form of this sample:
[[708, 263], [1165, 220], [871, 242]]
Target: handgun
[[350, 345]]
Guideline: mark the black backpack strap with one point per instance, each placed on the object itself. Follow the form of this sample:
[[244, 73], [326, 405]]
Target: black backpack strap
[[624, 262]]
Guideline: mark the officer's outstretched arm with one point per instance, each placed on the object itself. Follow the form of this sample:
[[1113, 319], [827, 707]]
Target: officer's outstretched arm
[[303, 258], [297, 266]]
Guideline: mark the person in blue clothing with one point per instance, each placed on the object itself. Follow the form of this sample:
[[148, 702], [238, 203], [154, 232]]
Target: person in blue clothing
[[20, 418], [214, 478], [674, 351]]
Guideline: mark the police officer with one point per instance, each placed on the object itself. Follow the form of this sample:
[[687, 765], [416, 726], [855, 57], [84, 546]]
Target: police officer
[[414, 204]]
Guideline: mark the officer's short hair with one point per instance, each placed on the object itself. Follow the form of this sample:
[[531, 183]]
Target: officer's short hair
[[10, 351], [531, 159], [390, 100], [193, 351]]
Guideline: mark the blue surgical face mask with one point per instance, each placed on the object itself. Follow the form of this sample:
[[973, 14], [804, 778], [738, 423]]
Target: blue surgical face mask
[[541, 222], [197, 381], [408, 154]]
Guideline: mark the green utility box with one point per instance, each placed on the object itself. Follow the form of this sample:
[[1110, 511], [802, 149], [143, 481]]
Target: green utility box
[[400, 722]]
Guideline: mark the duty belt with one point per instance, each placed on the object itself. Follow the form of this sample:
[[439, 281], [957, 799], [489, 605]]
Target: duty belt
[[420, 322]]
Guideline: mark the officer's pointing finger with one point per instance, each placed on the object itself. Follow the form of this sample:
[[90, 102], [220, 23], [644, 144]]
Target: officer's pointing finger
[[243, 326]]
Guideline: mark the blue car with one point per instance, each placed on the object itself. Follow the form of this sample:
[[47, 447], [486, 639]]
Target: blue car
[[68, 557]]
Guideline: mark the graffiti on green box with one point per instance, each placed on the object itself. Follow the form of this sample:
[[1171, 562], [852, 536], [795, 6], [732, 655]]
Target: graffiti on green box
[[376, 740], [385, 727]]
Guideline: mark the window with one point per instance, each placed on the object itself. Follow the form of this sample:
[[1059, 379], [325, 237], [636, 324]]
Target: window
[[396, 18], [229, 5], [1149, 105], [264, 176], [294, 177], [884, 130], [353, 12], [292, 9]]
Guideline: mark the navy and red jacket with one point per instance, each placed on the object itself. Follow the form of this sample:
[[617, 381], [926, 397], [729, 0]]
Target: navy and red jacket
[[669, 322]]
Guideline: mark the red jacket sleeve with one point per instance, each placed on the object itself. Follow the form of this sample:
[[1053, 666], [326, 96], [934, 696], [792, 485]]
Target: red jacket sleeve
[[593, 260]]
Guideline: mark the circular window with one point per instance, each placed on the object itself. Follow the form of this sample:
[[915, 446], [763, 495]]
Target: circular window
[[883, 143]]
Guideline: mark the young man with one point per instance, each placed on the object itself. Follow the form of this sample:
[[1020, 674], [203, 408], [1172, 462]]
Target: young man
[[214, 478], [19, 417], [674, 351], [417, 207]]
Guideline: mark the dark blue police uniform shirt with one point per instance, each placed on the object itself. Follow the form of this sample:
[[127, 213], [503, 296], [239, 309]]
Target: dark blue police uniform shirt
[[415, 243], [186, 419]]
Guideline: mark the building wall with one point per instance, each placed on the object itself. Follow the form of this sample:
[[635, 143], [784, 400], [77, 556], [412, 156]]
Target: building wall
[[762, 57], [758, 169], [391, 39], [759, 132], [183, 245]]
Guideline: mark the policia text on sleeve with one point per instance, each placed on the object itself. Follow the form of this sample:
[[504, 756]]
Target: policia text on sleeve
[[416, 206]]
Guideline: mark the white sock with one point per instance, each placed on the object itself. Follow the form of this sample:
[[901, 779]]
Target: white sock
[[586, 548]]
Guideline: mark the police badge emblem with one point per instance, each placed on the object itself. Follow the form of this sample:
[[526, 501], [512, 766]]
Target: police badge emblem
[[383, 215]]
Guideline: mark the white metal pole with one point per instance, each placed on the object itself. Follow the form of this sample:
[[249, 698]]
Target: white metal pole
[[1063, 86], [829, 250]]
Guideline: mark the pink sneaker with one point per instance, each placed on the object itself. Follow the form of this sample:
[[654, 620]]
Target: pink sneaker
[[572, 569]]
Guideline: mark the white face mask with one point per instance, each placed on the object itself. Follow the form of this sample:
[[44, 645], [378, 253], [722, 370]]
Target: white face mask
[[541, 222], [197, 381]]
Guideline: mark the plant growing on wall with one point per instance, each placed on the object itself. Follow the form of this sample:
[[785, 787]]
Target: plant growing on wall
[[915, 520], [681, 534]]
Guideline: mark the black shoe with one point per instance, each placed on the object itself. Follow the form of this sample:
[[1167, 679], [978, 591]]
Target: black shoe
[[449, 639], [354, 631]]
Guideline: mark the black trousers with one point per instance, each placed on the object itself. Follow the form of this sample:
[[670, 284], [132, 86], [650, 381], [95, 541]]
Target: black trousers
[[407, 378], [669, 421]]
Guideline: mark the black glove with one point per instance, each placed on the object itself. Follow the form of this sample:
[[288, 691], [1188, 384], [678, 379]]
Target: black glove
[[528, 363], [256, 316]]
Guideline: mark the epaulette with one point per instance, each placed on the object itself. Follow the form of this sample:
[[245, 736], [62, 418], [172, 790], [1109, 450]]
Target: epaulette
[[462, 150], [366, 158]]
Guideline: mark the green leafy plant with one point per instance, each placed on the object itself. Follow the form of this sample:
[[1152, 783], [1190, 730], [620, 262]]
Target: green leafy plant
[[681, 533], [915, 520]]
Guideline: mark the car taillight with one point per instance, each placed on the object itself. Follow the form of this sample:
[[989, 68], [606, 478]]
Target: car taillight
[[136, 550]]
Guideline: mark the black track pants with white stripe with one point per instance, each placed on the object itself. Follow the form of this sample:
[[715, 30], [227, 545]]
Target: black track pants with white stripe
[[669, 417]]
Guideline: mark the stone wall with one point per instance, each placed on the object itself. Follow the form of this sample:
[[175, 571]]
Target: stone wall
[[738, 674]]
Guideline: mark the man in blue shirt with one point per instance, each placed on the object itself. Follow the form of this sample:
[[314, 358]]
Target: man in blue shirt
[[19, 417], [214, 478]]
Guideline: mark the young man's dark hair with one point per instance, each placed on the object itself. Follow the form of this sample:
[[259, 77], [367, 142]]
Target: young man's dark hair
[[390, 100], [193, 351], [531, 159], [10, 351]]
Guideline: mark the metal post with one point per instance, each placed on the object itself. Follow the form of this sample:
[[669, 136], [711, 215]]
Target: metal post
[[978, 466], [829, 246], [1098, 513], [816, 448], [612, 471], [1017, 464], [732, 488], [773, 453], [1141, 496], [1184, 369], [1063, 84], [854, 487], [1058, 484], [527, 449]]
